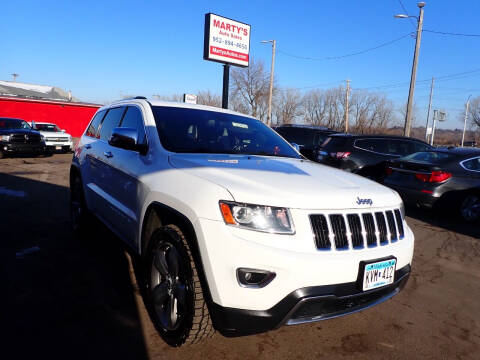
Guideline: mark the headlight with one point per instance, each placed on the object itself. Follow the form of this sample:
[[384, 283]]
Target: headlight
[[42, 137], [5, 137], [257, 217]]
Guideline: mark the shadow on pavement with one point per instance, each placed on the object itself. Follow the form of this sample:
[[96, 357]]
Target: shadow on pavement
[[65, 298], [445, 221]]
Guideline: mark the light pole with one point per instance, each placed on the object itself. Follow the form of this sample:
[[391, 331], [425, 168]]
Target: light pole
[[270, 93], [408, 115], [465, 120]]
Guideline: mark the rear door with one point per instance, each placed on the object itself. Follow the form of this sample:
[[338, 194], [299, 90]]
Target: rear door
[[100, 170]]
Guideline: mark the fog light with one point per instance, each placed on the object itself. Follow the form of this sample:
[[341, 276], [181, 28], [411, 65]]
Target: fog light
[[254, 278]]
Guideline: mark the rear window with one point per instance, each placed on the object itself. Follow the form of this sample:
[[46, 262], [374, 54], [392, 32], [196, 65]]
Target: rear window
[[334, 143], [298, 136], [432, 157], [472, 164]]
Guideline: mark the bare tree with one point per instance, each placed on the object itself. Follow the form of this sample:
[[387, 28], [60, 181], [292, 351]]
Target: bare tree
[[288, 106], [371, 112], [249, 89], [474, 111], [205, 97], [325, 107]]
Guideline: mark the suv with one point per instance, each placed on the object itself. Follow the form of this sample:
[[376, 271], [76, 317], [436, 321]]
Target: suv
[[235, 231], [307, 137], [55, 138], [16, 136], [366, 155]]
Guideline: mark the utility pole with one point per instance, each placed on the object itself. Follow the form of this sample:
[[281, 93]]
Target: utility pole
[[465, 121], [429, 109], [346, 105], [14, 75], [408, 116], [433, 127], [270, 92]]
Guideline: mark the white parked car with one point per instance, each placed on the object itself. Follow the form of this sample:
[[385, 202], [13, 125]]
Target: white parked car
[[55, 138], [236, 231]]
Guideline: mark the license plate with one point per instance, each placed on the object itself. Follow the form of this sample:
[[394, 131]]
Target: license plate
[[379, 274], [58, 147]]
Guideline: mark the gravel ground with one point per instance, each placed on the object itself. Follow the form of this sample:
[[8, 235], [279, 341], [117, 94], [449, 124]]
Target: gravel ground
[[79, 299]]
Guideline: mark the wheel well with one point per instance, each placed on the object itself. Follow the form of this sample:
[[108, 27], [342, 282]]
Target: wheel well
[[158, 215], [73, 172]]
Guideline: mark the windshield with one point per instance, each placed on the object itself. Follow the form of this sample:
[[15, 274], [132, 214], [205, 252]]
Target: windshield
[[13, 124], [47, 127], [432, 157], [199, 131]]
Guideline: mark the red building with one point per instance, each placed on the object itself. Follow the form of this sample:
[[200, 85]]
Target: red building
[[71, 116]]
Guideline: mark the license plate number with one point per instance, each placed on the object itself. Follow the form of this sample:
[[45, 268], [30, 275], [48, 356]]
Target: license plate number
[[58, 147], [379, 274]]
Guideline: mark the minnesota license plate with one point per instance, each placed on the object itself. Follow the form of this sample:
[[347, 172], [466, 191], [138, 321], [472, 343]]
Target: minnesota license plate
[[379, 274]]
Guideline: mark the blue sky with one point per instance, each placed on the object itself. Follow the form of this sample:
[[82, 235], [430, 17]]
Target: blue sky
[[102, 50]]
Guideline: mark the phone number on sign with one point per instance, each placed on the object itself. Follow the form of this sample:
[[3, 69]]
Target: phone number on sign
[[229, 43]]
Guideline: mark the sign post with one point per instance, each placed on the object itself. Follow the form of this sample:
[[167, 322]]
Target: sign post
[[226, 41]]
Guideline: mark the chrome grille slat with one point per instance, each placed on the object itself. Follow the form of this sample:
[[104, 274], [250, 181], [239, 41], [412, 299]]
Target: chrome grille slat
[[354, 231], [399, 219], [339, 230], [382, 227], [391, 226]]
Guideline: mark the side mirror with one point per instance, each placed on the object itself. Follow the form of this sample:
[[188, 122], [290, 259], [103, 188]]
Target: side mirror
[[126, 138], [296, 146]]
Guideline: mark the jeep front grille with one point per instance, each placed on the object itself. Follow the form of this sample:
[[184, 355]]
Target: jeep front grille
[[356, 231]]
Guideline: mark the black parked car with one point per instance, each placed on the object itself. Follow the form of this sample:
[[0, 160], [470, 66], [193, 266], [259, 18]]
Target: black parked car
[[16, 136], [366, 155], [307, 137], [447, 178]]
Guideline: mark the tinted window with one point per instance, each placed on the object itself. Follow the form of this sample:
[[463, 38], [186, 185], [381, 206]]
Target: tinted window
[[133, 119], [431, 157], [13, 124], [334, 143], [92, 130], [111, 121], [298, 136], [46, 127], [200, 131], [375, 145], [418, 146], [473, 164], [397, 147]]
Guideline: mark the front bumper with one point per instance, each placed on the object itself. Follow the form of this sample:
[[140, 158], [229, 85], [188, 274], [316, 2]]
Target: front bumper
[[57, 145], [305, 305], [14, 148]]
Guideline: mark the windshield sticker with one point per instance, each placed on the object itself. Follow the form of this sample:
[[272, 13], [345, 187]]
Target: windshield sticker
[[240, 125], [226, 161]]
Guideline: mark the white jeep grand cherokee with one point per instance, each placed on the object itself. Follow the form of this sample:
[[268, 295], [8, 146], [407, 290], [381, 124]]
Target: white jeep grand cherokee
[[235, 230]]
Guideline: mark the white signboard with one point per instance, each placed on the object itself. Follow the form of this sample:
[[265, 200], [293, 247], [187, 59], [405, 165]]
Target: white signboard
[[226, 40], [189, 98]]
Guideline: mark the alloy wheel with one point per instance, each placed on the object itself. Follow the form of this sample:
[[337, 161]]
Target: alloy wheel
[[470, 208]]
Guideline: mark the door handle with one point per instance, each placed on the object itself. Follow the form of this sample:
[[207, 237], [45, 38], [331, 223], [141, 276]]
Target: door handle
[[88, 146], [108, 154]]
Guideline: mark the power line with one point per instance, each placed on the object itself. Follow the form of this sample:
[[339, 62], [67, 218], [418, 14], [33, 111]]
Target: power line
[[450, 33], [406, 13], [346, 55]]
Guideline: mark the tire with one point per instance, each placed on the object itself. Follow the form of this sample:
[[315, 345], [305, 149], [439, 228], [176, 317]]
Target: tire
[[80, 216], [469, 208], [2, 155], [173, 293]]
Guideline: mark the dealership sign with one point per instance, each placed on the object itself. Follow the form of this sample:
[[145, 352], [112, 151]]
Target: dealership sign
[[226, 40]]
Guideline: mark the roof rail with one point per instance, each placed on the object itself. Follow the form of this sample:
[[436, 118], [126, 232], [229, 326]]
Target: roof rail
[[136, 98]]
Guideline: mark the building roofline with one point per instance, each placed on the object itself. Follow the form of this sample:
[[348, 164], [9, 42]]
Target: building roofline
[[50, 101]]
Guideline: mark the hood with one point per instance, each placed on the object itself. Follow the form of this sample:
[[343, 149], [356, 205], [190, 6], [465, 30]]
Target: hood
[[54, 133], [18, 131], [286, 182]]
